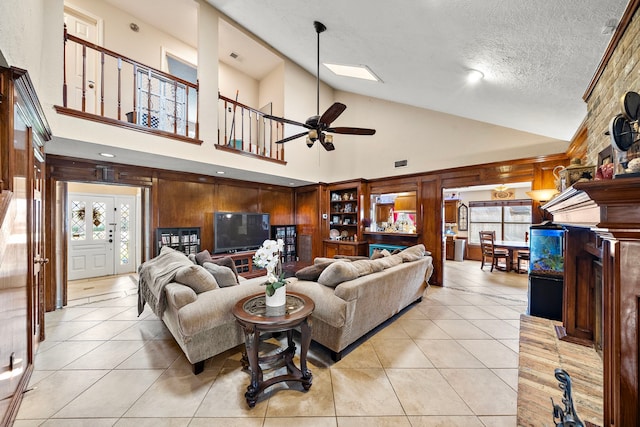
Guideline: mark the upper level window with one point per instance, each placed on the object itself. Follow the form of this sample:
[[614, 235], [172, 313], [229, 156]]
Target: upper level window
[[510, 219]]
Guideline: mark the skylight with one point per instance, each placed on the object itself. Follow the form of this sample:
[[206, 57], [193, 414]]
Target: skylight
[[355, 71]]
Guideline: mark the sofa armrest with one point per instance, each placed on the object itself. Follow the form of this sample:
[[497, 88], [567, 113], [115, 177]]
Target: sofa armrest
[[213, 308], [179, 295]]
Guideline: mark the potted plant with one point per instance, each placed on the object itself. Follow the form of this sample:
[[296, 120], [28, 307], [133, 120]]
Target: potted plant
[[268, 256]]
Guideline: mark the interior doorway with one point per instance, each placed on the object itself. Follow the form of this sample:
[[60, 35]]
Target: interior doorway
[[103, 232]]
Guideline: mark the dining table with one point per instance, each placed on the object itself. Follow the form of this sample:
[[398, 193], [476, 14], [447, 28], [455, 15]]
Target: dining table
[[511, 246]]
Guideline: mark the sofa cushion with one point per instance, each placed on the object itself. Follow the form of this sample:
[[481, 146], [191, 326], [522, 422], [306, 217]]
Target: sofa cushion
[[387, 262], [203, 256], [337, 273], [412, 253], [223, 275], [226, 262], [312, 272], [366, 266], [380, 253], [197, 278], [320, 260], [350, 257], [179, 295], [192, 258]]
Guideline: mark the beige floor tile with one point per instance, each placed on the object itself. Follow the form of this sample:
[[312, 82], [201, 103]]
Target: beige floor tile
[[514, 345], [491, 353], [107, 356], [62, 331], [62, 354], [499, 421], [27, 423], [102, 313], [363, 356], [446, 421], [364, 392], [423, 330], [93, 422], [153, 355], [391, 331], [487, 394], [498, 329], [111, 396], [225, 398], [68, 313], [448, 354], [438, 312], [502, 312], [460, 329], [145, 331], [152, 422], [176, 393], [509, 376], [301, 422], [471, 312], [401, 354], [104, 331], [425, 392], [131, 313], [53, 392], [226, 422], [400, 421], [290, 399]]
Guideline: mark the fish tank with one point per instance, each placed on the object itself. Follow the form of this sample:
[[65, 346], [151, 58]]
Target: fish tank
[[547, 251]]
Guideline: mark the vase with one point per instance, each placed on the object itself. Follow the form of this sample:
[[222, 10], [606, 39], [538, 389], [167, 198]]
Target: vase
[[279, 298]]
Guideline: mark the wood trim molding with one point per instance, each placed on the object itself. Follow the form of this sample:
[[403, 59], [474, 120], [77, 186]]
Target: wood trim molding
[[124, 124], [246, 153], [627, 16]]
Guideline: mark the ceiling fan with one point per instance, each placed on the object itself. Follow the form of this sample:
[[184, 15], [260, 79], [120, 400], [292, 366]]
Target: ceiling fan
[[319, 126]]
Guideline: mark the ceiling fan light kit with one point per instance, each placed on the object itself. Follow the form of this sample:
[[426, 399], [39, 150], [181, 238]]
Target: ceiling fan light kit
[[319, 126]]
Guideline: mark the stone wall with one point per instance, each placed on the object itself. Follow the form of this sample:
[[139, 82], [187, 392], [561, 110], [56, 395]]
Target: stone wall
[[622, 74]]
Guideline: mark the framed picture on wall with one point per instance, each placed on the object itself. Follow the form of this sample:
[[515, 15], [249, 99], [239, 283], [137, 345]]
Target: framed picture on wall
[[463, 217]]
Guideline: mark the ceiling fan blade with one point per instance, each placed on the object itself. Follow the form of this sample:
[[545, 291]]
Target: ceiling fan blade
[[352, 131], [332, 113], [290, 138], [326, 144], [287, 121]]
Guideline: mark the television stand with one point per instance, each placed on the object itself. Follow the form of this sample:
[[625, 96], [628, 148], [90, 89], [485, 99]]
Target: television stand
[[244, 263]]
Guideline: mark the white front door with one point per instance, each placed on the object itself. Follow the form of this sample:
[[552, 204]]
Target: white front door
[[81, 63], [101, 235]]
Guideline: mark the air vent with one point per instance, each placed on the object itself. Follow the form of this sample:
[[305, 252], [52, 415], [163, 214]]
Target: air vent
[[401, 163], [234, 55]]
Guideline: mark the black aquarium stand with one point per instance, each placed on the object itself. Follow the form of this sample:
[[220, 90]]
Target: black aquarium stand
[[545, 297]]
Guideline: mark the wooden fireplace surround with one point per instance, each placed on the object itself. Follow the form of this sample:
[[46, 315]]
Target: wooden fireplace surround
[[603, 219]]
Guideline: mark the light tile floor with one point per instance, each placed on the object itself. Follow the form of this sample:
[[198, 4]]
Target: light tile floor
[[450, 360]]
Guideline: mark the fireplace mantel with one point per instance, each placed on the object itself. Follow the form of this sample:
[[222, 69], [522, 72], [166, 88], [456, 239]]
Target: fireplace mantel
[[607, 205], [610, 211]]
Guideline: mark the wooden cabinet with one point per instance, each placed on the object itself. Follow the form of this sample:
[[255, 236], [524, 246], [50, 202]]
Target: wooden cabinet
[[244, 264], [343, 212], [186, 240], [450, 248], [337, 247], [288, 235], [451, 211]]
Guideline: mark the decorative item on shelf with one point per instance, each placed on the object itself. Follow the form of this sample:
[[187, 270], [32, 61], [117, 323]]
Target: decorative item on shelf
[[624, 130], [606, 167], [366, 222], [575, 172], [268, 256]]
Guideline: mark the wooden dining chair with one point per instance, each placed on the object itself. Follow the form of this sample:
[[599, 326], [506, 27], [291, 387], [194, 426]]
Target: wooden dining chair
[[523, 255], [491, 253]]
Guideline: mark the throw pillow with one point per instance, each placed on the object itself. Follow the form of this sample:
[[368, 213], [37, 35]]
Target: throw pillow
[[203, 256], [196, 278], [223, 275], [312, 272], [226, 262], [380, 253], [412, 253], [192, 258], [366, 266], [387, 262], [337, 273]]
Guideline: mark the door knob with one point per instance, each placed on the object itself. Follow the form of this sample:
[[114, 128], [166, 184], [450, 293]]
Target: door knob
[[91, 84], [41, 260]]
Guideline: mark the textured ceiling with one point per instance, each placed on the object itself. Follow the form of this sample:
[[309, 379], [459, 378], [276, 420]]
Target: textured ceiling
[[537, 56]]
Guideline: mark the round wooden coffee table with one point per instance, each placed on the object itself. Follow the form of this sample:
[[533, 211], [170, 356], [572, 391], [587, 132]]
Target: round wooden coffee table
[[255, 317]]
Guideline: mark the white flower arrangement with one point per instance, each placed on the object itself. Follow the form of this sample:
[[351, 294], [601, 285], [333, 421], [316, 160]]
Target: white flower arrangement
[[268, 256]]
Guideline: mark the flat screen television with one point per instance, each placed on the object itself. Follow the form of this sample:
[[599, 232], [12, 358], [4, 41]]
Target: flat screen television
[[239, 231]]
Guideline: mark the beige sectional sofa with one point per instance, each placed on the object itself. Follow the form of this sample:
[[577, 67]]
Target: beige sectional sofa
[[198, 313]]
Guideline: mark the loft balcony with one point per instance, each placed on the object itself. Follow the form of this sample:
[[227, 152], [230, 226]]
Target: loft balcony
[[105, 86]]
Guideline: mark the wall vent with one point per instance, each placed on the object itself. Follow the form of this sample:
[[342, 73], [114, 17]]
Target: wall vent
[[401, 163], [234, 55]]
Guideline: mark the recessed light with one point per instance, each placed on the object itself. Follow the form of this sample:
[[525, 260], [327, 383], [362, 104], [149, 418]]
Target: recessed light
[[107, 155], [474, 76], [220, 172], [292, 183], [355, 71]]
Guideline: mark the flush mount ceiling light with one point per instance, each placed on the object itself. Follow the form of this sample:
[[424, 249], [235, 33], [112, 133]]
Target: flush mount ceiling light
[[474, 76], [107, 155], [355, 71]]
